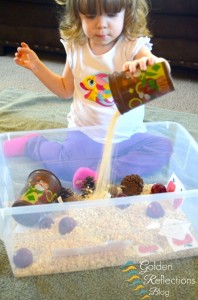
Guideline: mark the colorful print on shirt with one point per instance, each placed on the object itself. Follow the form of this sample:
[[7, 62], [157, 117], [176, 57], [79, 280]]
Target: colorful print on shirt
[[98, 90]]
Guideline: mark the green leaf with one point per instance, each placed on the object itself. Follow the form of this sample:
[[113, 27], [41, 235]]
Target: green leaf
[[150, 74], [155, 67]]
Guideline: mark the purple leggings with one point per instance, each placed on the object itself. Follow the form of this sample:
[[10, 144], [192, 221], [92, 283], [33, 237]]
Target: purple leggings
[[141, 154]]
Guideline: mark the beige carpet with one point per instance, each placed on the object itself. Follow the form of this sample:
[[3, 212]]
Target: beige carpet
[[107, 283]]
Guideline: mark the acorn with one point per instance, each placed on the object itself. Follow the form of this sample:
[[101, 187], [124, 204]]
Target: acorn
[[115, 191]]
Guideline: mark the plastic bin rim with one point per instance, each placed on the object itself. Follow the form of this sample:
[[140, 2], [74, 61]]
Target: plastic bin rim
[[55, 207]]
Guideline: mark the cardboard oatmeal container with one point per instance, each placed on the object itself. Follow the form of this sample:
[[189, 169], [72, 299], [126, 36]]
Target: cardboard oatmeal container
[[132, 90], [42, 187]]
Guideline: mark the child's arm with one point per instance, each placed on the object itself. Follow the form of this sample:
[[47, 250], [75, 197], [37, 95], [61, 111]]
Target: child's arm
[[62, 86], [143, 59]]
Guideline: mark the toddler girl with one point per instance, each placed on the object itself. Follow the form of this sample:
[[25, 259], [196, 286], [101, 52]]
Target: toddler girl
[[100, 37]]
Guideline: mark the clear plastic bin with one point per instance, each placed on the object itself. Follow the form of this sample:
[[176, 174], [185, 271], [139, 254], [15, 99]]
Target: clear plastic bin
[[104, 233]]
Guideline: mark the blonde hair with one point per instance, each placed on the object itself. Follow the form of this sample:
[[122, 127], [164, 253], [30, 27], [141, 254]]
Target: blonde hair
[[135, 25]]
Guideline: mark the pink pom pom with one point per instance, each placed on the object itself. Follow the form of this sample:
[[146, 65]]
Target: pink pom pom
[[80, 175]]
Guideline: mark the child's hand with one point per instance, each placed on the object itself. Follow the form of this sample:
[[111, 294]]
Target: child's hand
[[26, 57], [140, 63]]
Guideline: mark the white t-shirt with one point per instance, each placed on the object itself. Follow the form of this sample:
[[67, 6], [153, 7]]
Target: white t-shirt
[[93, 104]]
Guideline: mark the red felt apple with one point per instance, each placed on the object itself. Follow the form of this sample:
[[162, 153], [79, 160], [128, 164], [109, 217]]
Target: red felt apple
[[187, 240], [177, 202], [148, 249], [171, 186]]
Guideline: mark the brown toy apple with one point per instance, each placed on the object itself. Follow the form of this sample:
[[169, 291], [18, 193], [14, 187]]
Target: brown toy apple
[[158, 188]]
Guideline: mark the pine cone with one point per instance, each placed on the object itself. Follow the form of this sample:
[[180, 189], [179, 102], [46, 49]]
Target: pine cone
[[66, 193], [89, 182], [86, 192], [132, 185]]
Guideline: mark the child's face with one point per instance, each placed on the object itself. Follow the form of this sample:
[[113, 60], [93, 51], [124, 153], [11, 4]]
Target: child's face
[[103, 30]]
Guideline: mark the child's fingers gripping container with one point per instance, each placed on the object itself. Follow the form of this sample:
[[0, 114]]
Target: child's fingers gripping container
[[131, 90], [70, 232]]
